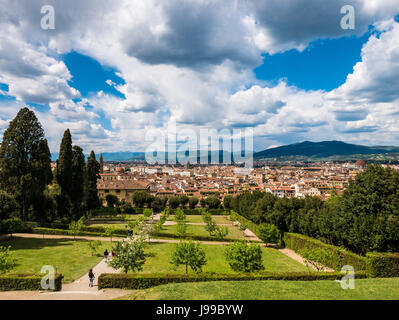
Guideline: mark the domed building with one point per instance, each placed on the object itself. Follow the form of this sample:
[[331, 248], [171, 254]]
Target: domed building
[[360, 164]]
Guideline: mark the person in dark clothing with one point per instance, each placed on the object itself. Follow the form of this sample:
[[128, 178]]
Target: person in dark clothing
[[91, 278], [106, 254]]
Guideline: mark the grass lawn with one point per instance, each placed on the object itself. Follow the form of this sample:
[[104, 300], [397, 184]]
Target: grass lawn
[[158, 261], [72, 258], [199, 230], [365, 289], [198, 219]]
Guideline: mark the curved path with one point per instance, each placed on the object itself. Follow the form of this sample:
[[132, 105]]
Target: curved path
[[77, 290]]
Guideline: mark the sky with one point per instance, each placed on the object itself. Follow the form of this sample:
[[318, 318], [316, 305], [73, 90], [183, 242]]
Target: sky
[[116, 72]]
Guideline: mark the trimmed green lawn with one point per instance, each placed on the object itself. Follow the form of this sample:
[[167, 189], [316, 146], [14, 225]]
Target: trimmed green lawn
[[365, 289], [199, 230], [198, 219], [160, 254], [72, 258]]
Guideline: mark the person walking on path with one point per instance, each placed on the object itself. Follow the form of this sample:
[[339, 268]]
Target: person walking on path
[[106, 255], [91, 278]]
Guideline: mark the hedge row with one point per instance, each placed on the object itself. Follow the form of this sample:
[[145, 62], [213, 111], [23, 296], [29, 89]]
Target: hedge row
[[26, 282], [62, 232], [382, 265], [244, 221], [144, 281], [341, 257]]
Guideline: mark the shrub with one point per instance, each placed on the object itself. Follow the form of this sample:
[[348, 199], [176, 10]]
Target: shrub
[[7, 261], [244, 258], [382, 265], [11, 226], [26, 282], [269, 233], [340, 256]]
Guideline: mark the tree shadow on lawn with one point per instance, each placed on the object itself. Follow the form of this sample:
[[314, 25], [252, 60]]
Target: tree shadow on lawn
[[17, 243]]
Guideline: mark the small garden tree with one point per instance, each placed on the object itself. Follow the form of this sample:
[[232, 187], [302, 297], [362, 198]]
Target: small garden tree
[[147, 213], [221, 232], [93, 246], [189, 254], [7, 261], [76, 226], [244, 258], [181, 229], [109, 231], [129, 255], [269, 233]]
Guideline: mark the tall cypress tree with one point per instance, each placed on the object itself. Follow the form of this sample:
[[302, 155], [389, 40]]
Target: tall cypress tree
[[78, 178], [24, 160], [92, 174], [64, 169]]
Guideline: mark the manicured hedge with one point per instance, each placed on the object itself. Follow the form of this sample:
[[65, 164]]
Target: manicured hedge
[[26, 282], [242, 220], [143, 281], [382, 265], [341, 256]]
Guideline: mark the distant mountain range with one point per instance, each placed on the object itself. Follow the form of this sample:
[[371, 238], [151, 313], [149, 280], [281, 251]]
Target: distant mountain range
[[306, 149], [324, 149]]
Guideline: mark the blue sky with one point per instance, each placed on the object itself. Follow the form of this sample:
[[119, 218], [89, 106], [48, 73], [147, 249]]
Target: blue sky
[[323, 65], [117, 73]]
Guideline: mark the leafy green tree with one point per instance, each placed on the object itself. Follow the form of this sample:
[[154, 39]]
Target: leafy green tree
[[7, 261], [93, 246], [78, 179], [141, 198], [227, 201], [192, 202], [213, 202], [64, 168], [147, 212], [180, 216], [111, 200], [210, 224], [8, 205], [189, 254], [269, 233], [92, 175], [129, 255], [244, 258], [174, 202], [181, 229], [76, 226], [158, 204], [221, 232], [183, 200], [25, 160], [109, 231]]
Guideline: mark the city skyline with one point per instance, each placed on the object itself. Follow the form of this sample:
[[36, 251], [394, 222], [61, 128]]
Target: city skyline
[[219, 66]]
